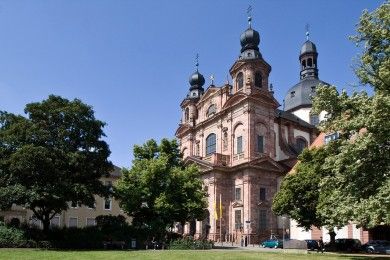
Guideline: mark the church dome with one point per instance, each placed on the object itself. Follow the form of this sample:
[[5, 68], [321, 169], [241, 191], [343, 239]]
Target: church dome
[[308, 47], [250, 39], [196, 79]]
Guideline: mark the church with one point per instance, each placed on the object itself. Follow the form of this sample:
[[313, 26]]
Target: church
[[244, 144]]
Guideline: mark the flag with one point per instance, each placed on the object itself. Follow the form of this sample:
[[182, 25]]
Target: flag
[[220, 206], [215, 210]]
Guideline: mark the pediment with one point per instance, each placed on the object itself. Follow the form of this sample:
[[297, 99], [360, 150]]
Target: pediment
[[237, 204], [236, 98], [268, 164], [210, 91], [203, 166], [182, 129]]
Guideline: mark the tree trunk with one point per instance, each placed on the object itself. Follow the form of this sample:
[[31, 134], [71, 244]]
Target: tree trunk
[[332, 235]]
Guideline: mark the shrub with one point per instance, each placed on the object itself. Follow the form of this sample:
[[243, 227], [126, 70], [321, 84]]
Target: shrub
[[190, 243], [11, 237]]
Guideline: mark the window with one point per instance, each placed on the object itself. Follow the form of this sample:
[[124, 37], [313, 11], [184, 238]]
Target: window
[[262, 219], [237, 195], [309, 62], [240, 80], [262, 194], [304, 63], [313, 89], [211, 110], [237, 219], [72, 222], [239, 144], [331, 137], [258, 79], [55, 221], [211, 144], [292, 94], [197, 150], [300, 144], [314, 120], [107, 204], [187, 114], [90, 222], [260, 144]]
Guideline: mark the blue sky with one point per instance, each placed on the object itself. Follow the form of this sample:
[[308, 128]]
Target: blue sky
[[131, 60]]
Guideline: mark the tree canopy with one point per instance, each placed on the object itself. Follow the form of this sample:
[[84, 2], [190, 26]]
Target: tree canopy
[[159, 190], [349, 178], [54, 155]]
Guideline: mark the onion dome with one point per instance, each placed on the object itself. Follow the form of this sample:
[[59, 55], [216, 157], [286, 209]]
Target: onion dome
[[250, 39], [308, 47], [196, 80]]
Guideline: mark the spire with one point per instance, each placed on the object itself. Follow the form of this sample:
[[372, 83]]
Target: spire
[[249, 12], [307, 27], [197, 61]]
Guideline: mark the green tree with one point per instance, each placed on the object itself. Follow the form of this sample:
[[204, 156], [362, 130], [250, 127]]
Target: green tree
[[52, 156], [159, 190], [350, 179]]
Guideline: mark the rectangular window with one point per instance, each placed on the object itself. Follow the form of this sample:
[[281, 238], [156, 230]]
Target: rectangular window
[[239, 144], [238, 194], [91, 222], [262, 194], [237, 219], [107, 204], [260, 144], [55, 221], [331, 137], [72, 222], [262, 219]]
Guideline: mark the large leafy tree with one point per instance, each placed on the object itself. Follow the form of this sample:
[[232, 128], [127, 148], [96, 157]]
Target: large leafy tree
[[54, 155], [159, 190], [355, 169]]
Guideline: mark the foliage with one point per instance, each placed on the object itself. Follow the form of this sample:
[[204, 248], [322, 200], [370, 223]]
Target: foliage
[[11, 237], [190, 243], [159, 190], [53, 156], [374, 37], [301, 188], [351, 181]]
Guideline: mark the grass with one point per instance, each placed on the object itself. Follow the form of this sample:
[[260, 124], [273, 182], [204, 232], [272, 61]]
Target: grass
[[21, 254]]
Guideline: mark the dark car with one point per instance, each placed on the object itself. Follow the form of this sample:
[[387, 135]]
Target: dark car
[[272, 243], [312, 244], [348, 244], [376, 246]]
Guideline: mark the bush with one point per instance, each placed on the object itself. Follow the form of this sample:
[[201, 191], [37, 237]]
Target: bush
[[11, 237], [190, 243]]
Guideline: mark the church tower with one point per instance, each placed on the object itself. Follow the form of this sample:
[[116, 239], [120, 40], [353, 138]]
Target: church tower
[[299, 98]]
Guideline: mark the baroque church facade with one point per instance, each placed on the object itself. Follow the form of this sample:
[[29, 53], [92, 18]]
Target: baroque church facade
[[243, 144]]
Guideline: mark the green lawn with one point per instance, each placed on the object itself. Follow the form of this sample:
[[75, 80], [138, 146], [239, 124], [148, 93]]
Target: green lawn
[[33, 254]]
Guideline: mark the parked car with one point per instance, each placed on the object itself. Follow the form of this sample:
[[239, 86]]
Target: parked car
[[312, 244], [347, 244], [272, 243], [376, 246]]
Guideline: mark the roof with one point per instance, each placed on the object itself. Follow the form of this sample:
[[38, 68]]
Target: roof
[[301, 93], [291, 117], [307, 47], [117, 172]]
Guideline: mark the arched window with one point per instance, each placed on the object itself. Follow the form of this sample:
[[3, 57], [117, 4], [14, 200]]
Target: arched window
[[258, 79], [300, 144], [304, 63], [211, 110], [187, 115], [211, 144], [240, 80], [309, 62]]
